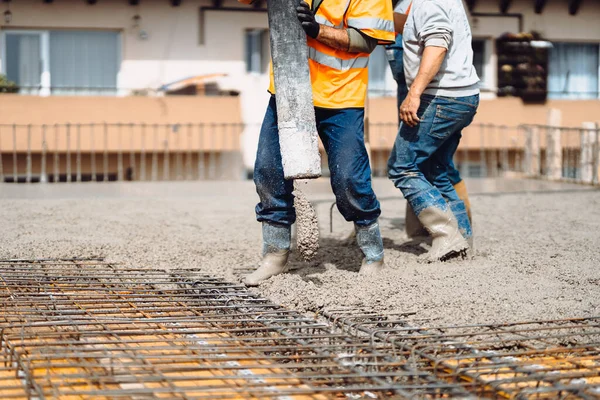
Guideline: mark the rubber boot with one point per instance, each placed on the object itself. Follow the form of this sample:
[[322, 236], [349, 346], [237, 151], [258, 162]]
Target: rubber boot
[[448, 242], [276, 251], [437, 217], [370, 243], [412, 224]]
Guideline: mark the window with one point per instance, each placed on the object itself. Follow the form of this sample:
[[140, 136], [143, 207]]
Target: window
[[573, 71], [63, 62], [479, 57], [258, 51]]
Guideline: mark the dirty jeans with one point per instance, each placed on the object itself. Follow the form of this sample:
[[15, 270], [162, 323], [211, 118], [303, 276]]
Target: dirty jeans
[[422, 156], [342, 134]]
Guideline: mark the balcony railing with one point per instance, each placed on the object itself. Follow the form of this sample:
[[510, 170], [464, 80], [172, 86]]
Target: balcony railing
[[142, 152]]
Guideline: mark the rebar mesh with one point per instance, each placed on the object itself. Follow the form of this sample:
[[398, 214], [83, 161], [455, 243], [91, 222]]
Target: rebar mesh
[[542, 359], [78, 329]]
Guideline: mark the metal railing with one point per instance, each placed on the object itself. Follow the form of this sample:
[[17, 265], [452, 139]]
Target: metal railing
[[532, 151], [144, 152], [117, 152]]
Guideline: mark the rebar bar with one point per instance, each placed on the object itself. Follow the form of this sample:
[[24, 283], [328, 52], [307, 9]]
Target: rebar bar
[[87, 329], [539, 359]]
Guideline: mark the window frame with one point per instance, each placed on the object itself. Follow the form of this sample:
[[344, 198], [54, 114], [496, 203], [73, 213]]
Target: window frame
[[488, 82], [264, 51], [571, 41], [46, 78]]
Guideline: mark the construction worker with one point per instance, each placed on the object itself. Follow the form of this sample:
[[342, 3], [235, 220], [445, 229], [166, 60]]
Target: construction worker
[[340, 37], [395, 55], [442, 100]]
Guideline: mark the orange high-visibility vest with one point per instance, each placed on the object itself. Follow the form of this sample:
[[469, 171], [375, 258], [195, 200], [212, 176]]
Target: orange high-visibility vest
[[339, 78]]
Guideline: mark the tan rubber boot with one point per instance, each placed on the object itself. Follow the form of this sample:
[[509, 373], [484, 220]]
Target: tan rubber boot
[[463, 194], [272, 264], [447, 242]]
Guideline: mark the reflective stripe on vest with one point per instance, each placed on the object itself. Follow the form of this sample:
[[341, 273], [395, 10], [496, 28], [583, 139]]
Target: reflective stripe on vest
[[323, 21], [371, 23], [335, 62]]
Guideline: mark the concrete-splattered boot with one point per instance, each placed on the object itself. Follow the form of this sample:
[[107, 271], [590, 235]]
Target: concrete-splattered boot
[[413, 226], [276, 250], [442, 225], [370, 242], [460, 212]]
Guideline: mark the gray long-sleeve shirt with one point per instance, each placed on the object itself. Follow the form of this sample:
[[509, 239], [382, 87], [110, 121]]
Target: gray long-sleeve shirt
[[441, 23]]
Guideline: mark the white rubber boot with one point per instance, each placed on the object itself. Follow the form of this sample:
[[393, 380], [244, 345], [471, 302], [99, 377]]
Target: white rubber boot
[[370, 242], [277, 239], [272, 264], [448, 242]]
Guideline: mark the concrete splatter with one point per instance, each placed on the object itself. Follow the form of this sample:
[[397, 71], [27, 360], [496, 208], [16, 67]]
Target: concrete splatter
[[307, 225]]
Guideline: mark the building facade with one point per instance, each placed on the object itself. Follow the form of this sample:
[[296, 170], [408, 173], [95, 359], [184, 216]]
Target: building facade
[[92, 54]]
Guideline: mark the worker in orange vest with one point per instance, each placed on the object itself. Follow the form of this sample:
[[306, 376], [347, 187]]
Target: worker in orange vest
[[340, 37]]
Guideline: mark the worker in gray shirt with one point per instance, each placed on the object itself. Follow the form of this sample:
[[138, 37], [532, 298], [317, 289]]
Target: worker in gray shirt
[[442, 100]]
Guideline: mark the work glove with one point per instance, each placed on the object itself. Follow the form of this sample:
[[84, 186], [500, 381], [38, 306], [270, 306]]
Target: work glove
[[307, 20]]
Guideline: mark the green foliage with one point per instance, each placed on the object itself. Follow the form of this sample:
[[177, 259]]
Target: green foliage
[[7, 86]]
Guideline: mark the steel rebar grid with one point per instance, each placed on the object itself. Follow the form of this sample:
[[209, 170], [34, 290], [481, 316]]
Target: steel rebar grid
[[535, 359], [86, 329]]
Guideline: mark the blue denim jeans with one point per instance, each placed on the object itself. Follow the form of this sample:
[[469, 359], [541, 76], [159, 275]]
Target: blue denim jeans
[[342, 134], [422, 156]]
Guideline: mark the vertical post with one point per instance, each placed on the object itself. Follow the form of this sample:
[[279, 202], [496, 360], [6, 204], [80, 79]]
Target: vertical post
[[586, 160], [105, 155], [504, 148], [14, 135], [93, 154], [188, 160], [532, 155], [56, 166], [155, 154], [68, 137], [119, 153], [43, 174], [201, 170], [78, 155], [178, 161], [596, 155], [131, 152], [553, 145], [143, 152], [298, 138], [166, 159], [28, 176], [212, 148]]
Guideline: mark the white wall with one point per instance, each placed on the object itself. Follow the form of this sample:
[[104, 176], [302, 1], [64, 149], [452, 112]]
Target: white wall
[[554, 23], [172, 50]]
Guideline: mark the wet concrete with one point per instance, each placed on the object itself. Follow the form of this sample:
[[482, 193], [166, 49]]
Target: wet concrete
[[538, 246], [307, 224]]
